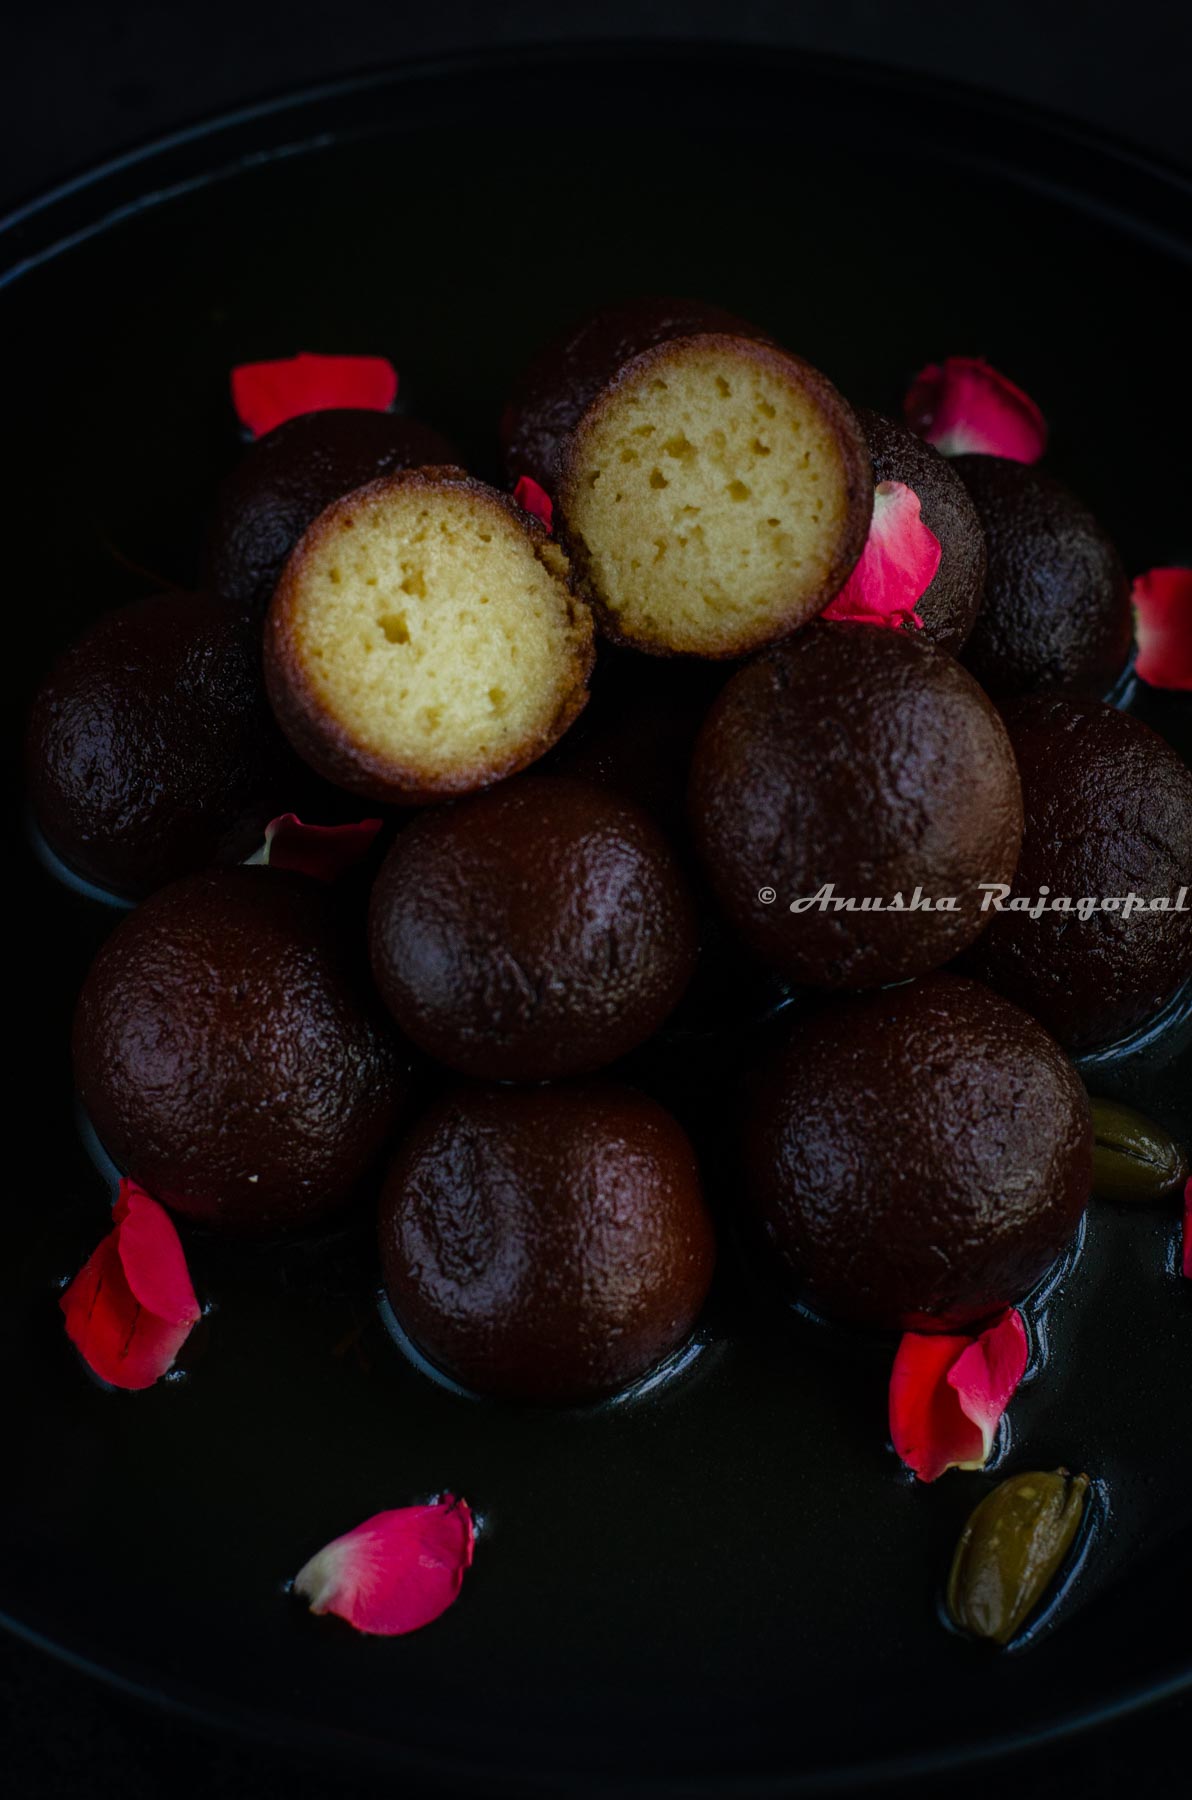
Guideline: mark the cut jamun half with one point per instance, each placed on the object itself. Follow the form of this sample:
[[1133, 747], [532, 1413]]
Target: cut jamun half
[[424, 640], [714, 496]]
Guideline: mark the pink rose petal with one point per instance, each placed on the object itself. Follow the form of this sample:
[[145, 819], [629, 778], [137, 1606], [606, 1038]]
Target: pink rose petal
[[1188, 1231], [131, 1307], [948, 1393], [324, 851], [152, 1257], [395, 1572], [535, 500], [963, 405], [266, 394], [896, 567], [1163, 627]]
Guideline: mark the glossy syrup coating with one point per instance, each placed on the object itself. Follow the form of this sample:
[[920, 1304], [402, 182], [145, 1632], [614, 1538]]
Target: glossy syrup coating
[[546, 1244], [950, 605], [1056, 608], [230, 1055], [151, 749], [539, 930], [918, 1158], [1108, 806], [292, 474], [558, 386], [869, 760]]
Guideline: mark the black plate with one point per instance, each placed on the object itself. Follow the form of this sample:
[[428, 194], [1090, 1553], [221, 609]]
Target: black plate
[[728, 1579]]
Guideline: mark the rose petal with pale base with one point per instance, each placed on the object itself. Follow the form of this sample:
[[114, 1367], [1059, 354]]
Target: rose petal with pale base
[[896, 567], [1162, 600], [964, 406], [323, 851], [131, 1307], [534, 499], [266, 394], [948, 1394], [394, 1573]]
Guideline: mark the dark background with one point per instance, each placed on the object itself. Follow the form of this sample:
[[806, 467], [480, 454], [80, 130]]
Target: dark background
[[79, 83]]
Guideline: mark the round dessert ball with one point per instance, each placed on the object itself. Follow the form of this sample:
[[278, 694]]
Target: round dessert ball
[[547, 1244], [950, 605], [713, 497], [1108, 813], [424, 640], [1056, 606], [151, 749], [639, 729], [229, 1054], [540, 930], [564, 378], [855, 763], [288, 477], [918, 1158]]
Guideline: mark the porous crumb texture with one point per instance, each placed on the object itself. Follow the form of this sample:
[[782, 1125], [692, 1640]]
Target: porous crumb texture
[[714, 497], [423, 638]]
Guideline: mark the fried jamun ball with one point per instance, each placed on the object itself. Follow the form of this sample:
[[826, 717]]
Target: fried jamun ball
[[559, 385], [1056, 606], [540, 930], [949, 607], [918, 1158], [288, 477], [1108, 810], [230, 1054], [424, 640], [714, 496], [865, 761], [151, 749], [546, 1244]]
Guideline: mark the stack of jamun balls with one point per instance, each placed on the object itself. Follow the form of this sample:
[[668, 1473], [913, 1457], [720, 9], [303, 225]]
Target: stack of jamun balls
[[389, 628]]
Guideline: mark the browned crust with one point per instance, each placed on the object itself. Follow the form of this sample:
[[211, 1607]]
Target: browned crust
[[858, 475], [325, 741]]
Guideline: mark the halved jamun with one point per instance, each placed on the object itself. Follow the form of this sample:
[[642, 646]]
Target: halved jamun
[[1056, 605], [843, 786], [151, 749], [229, 1053], [558, 386], [546, 1244], [1108, 809], [949, 607], [288, 477], [918, 1158], [424, 640], [713, 497], [540, 930]]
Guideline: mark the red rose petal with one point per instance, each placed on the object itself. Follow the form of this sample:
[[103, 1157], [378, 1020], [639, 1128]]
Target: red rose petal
[[947, 1395], [1188, 1231], [964, 405], [535, 500], [395, 1572], [1163, 627], [896, 567], [152, 1257], [266, 394], [131, 1307], [324, 851]]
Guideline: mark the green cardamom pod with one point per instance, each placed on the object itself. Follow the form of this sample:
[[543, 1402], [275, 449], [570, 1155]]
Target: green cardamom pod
[[1133, 1158], [1011, 1549]]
